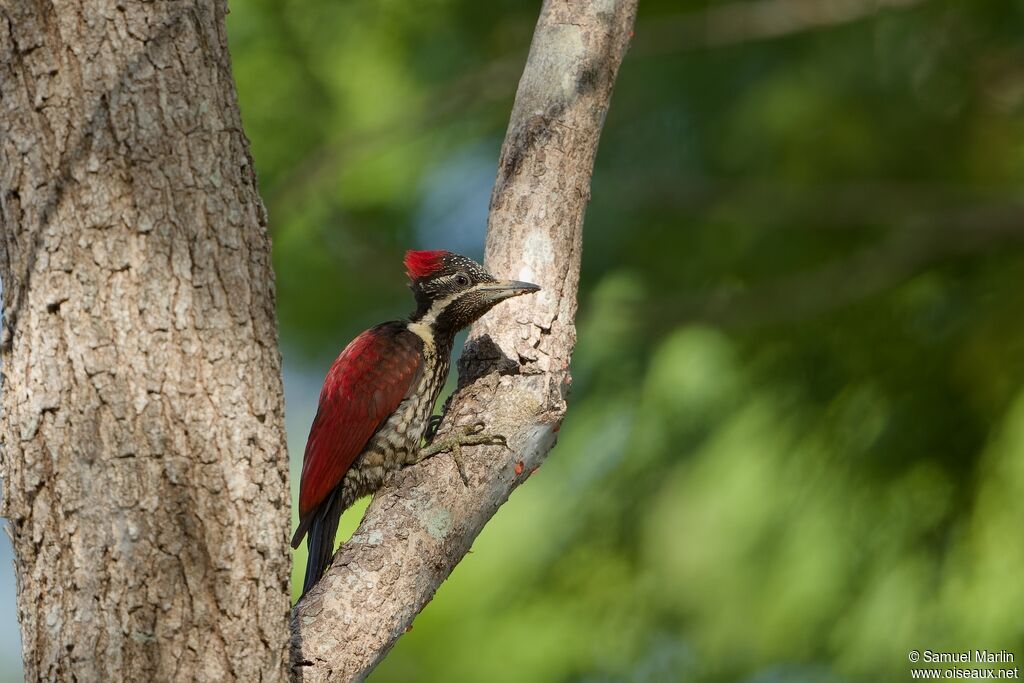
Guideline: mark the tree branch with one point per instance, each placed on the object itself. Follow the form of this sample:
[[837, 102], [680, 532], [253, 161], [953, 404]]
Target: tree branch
[[907, 251], [745, 21], [514, 371]]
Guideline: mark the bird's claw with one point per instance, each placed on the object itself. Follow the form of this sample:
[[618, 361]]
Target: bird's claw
[[433, 422], [471, 435]]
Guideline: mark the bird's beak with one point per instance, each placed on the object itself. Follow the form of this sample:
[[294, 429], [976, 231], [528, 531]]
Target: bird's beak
[[505, 289]]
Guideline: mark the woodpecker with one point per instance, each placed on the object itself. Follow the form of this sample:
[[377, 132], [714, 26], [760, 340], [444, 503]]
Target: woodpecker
[[377, 399]]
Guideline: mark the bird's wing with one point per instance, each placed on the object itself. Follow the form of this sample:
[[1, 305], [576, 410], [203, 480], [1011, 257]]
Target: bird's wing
[[364, 386]]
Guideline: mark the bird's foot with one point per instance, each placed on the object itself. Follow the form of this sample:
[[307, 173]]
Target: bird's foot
[[433, 422], [468, 435]]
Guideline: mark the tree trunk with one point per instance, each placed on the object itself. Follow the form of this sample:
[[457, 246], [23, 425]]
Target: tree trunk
[[514, 373], [144, 463]]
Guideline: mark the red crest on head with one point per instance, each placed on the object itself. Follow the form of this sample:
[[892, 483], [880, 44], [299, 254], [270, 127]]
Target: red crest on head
[[422, 263]]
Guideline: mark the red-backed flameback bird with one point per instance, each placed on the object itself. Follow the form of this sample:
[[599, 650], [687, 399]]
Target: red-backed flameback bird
[[377, 399]]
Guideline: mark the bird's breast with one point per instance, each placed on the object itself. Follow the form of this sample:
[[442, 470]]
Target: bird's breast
[[397, 442]]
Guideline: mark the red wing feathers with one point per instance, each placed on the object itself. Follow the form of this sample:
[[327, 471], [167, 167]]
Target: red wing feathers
[[364, 386]]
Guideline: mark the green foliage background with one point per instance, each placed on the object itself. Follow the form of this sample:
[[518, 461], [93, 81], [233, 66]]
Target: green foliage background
[[794, 448]]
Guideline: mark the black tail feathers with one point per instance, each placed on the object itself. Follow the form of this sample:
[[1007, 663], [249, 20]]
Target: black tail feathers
[[320, 542]]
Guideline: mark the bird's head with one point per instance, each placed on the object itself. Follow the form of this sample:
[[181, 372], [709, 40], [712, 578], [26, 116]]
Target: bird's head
[[453, 291]]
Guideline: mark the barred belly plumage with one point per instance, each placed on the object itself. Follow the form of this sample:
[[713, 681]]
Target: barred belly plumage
[[397, 442]]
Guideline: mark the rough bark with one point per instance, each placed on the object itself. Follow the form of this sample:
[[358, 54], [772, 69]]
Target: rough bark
[[144, 465], [514, 372]]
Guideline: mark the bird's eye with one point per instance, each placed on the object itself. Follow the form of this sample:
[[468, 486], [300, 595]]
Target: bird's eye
[[461, 280]]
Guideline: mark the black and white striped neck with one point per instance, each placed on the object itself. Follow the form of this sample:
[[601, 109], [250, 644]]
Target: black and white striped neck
[[436, 341]]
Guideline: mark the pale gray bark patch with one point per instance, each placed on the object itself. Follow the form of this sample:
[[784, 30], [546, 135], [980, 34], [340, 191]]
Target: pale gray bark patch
[[514, 373], [144, 464]]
